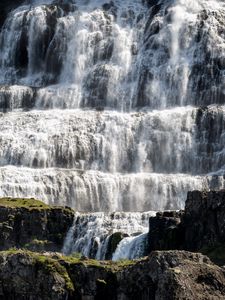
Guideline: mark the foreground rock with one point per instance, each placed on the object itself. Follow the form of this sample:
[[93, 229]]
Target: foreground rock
[[162, 275], [32, 224], [200, 227]]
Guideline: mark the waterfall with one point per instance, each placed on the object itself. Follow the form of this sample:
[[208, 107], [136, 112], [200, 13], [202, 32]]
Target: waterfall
[[91, 233], [114, 108]]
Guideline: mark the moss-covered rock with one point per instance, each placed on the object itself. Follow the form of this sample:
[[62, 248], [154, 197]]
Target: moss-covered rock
[[33, 224], [28, 275], [165, 275], [30, 203]]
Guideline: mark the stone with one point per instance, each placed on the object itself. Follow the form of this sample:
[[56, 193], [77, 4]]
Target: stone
[[32, 224], [164, 231], [164, 275], [204, 219]]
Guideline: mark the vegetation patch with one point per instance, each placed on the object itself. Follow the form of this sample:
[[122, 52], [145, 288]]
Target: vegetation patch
[[38, 245], [53, 266], [30, 203], [47, 263]]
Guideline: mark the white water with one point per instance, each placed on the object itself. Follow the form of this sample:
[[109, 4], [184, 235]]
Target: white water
[[91, 233], [100, 110], [131, 247]]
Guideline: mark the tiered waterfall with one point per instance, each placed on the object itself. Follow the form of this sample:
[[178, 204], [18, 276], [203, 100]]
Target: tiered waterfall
[[112, 106]]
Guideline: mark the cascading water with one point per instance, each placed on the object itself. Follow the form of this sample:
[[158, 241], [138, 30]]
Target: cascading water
[[112, 106], [91, 234]]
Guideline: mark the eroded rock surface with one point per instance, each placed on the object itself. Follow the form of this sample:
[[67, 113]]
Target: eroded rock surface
[[162, 276]]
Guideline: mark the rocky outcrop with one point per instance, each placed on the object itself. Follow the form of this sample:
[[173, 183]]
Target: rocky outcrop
[[32, 224], [163, 275], [204, 219], [201, 227], [30, 276], [173, 275], [165, 232]]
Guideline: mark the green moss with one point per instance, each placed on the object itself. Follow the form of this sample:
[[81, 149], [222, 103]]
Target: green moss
[[46, 263], [215, 253], [53, 266], [23, 202], [13, 250], [38, 242], [125, 262], [38, 245], [70, 259], [31, 203], [76, 255]]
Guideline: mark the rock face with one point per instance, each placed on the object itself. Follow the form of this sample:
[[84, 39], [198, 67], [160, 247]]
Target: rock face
[[201, 227], [165, 233], [173, 275], [32, 224], [204, 219], [24, 276], [162, 276]]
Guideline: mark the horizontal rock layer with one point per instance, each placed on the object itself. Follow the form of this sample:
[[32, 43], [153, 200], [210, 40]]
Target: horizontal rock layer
[[161, 276]]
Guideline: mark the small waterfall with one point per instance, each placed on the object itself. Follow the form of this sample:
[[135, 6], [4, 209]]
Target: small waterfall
[[131, 247], [91, 233]]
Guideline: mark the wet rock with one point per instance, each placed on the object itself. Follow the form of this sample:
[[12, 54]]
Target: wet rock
[[6, 6], [113, 242], [17, 97]]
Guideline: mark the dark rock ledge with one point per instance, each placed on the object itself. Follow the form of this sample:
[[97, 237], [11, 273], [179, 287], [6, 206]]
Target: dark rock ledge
[[165, 275], [199, 228], [31, 224]]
